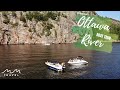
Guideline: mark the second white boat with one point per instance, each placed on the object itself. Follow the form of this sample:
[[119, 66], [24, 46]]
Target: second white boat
[[77, 61]]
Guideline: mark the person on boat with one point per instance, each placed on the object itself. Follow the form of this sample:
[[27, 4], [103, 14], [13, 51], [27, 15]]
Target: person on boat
[[63, 64]]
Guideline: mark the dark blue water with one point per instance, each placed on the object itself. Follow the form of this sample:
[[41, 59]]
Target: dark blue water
[[30, 60], [105, 65]]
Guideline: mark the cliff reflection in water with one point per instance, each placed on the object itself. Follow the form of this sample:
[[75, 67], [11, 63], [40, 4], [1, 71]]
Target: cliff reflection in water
[[30, 60]]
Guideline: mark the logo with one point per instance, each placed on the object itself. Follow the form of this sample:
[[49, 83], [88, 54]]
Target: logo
[[10, 73], [94, 32]]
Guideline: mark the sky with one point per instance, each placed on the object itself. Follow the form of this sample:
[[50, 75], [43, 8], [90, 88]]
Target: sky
[[110, 14]]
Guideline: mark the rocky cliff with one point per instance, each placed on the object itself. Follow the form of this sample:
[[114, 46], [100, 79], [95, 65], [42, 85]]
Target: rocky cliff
[[35, 27]]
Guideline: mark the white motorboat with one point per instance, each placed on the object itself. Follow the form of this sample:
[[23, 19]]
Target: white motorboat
[[78, 66], [55, 66], [77, 61]]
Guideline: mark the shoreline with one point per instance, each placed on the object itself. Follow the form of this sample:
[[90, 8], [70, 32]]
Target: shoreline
[[117, 41], [48, 45], [37, 44]]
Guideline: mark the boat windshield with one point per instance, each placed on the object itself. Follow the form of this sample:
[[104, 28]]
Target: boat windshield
[[79, 57]]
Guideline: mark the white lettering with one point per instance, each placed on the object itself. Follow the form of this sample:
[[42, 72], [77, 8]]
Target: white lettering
[[88, 22], [107, 37], [80, 24], [87, 40], [99, 35]]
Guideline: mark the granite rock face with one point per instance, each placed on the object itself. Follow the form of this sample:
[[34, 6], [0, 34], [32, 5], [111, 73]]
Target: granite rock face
[[18, 28]]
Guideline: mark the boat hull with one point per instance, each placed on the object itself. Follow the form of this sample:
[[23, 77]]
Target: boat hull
[[79, 62], [55, 69]]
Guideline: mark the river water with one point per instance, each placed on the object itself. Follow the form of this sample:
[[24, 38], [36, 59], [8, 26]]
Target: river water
[[30, 60]]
